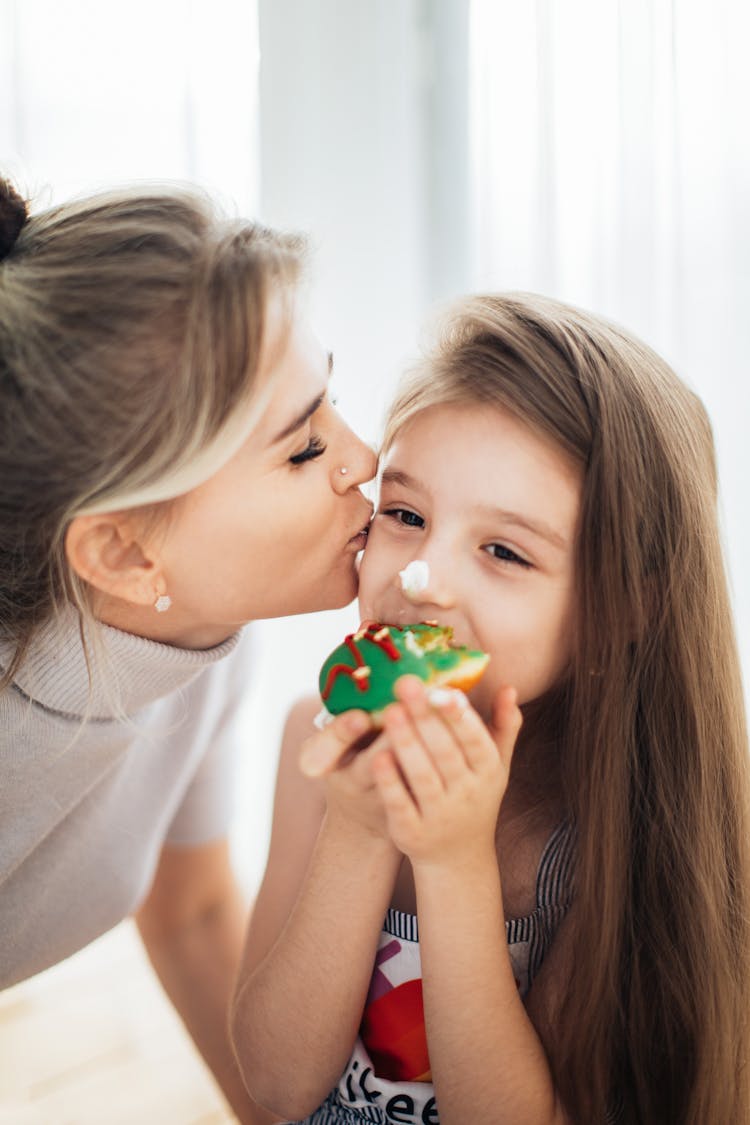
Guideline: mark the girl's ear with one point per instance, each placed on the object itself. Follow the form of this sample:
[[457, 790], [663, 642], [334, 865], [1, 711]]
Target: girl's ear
[[106, 551]]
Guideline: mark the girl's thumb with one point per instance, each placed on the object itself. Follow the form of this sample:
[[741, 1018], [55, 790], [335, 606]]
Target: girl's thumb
[[506, 720]]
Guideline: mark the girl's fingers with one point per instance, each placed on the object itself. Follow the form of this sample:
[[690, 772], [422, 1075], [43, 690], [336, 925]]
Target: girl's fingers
[[506, 722], [396, 798], [435, 735], [323, 752], [467, 728], [415, 763]]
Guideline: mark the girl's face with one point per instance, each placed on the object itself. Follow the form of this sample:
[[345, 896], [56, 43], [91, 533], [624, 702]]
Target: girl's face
[[493, 510], [277, 530]]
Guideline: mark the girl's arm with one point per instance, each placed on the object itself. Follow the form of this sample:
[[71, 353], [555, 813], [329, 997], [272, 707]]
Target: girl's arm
[[442, 786], [313, 935]]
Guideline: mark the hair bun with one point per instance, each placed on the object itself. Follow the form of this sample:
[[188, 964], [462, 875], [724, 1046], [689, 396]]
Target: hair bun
[[13, 215]]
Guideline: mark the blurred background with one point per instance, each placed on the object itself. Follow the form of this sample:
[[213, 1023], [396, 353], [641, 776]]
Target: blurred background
[[594, 150]]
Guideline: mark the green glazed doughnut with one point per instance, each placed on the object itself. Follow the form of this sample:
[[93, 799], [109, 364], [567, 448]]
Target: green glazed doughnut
[[362, 670]]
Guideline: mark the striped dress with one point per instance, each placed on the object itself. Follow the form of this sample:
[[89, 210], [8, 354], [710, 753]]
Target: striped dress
[[387, 1079]]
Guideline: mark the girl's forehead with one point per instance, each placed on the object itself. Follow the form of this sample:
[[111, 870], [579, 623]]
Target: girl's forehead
[[483, 457], [467, 428], [472, 429]]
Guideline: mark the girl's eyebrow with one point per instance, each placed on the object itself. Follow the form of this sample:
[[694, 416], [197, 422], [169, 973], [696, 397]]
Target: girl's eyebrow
[[537, 527], [396, 476]]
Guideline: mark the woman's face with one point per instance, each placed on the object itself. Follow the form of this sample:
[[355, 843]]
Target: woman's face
[[277, 530], [493, 510]]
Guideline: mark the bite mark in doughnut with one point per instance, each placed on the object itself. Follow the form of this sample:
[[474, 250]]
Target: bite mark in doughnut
[[361, 671]]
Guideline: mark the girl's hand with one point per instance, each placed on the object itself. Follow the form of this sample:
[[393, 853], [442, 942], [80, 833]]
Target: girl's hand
[[342, 755], [443, 774]]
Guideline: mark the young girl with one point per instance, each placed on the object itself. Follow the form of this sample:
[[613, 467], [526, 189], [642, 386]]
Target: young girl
[[566, 920]]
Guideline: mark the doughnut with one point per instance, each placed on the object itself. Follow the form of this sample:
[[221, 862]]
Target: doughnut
[[361, 671]]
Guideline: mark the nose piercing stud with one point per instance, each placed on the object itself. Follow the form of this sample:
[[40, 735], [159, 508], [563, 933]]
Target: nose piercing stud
[[343, 470]]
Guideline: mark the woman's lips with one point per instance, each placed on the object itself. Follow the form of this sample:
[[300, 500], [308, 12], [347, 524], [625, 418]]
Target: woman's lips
[[359, 539], [360, 536]]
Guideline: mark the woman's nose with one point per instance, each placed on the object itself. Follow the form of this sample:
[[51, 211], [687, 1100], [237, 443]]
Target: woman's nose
[[356, 464]]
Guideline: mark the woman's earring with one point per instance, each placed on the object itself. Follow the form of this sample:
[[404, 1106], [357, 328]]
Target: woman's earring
[[343, 470], [162, 603]]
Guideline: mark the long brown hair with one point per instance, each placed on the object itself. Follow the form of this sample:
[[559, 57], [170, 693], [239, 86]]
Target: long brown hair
[[131, 326], [653, 751]]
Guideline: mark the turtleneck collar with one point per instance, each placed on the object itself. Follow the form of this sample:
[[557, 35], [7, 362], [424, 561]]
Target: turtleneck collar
[[126, 672]]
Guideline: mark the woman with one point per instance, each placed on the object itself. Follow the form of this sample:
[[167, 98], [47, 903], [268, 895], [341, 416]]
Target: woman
[[170, 468]]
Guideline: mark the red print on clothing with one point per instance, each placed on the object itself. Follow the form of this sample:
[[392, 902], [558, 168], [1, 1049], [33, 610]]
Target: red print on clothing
[[392, 1029]]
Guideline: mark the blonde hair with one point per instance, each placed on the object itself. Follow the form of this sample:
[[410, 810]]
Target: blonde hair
[[131, 327], [651, 749]]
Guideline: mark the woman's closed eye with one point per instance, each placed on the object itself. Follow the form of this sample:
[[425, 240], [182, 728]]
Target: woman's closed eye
[[404, 516], [505, 555], [314, 448]]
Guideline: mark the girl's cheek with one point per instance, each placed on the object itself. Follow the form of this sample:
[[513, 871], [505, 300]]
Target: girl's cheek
[[373, 580], [366, 591], [371, 554]]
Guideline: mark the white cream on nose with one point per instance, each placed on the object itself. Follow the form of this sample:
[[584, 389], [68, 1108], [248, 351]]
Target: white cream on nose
[[414, 578]]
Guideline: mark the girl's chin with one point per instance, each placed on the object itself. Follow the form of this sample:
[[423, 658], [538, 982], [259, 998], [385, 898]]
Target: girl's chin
[[367, 611]]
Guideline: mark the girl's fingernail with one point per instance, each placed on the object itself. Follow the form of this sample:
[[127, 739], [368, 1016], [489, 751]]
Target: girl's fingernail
[[444, 697]]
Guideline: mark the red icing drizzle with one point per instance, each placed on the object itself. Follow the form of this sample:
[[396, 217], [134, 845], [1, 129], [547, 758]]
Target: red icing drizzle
[[371, 632]]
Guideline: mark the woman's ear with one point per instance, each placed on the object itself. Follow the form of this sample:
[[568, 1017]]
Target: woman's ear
[[106, 551]]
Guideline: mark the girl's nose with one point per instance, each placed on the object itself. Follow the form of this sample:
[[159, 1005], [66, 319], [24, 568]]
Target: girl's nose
[[356, 464], [424, 583]]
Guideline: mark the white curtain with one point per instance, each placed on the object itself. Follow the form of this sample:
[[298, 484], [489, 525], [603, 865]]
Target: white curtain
[[610, 166], [92, 94]]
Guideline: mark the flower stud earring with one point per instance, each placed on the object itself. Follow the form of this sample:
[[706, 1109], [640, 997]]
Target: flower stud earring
[[162, 603]]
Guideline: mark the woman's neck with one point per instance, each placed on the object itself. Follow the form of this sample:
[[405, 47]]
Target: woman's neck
[[167, 628]]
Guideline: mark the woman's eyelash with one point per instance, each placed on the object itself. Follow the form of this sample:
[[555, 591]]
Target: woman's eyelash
[[404, 516], [313, 449]]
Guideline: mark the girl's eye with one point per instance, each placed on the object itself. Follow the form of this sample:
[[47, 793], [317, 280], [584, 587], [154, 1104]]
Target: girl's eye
[[404, 516], [313, 449], [505, 555]]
